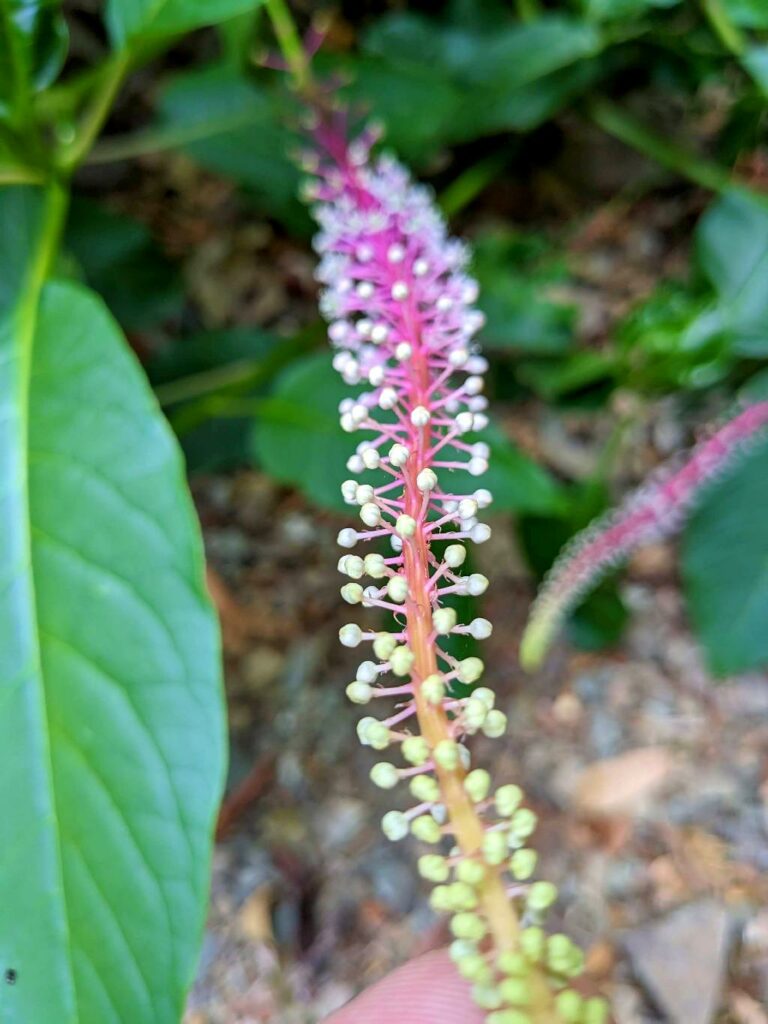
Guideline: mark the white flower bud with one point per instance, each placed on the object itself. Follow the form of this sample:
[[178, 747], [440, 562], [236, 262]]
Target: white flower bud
[[387, 398], [355, 464], [485, 694], [350, 635], [352, 593], [483, 497], [474, 385], [477, 467], [365, 493], [426, 480], [348, 424], [374, 566], [480, 423], [347, 538], [371, 458], [480, 629], [398, 455], [394, 825], [458, 357], [401, 660], [349, 491], [464, 422], [397, 588], [379, 333], [384, 775], [444, 303], [364, 290], [420, 268], [351, 565], [420, 416], [477, 584], [480, 533], [370, 514], [359, 413], [399, 291], [469, 670], [395, 253], [367, 672], [482, 451], [403, 351], [467, 508], [473, 714], [376, 376], [405, 526], [359, 693], [384, 645], [454, 556], [443, 620]]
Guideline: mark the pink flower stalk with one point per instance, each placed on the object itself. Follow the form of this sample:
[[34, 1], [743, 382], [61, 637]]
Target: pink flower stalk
[[402, 320], [654, 511]]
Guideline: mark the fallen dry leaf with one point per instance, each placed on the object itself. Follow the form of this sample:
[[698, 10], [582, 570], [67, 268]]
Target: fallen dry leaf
[[621, 785]]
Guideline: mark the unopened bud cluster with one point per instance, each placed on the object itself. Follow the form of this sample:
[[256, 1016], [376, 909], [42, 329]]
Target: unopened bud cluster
[[402, 321]]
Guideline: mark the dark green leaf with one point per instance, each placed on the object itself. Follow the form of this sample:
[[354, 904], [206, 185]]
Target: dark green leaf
[[33, 45], [518, 275], [111, 721], [136, 19], [121, 262], [517, 483], [236, 129], [747, 13], [725, 567]]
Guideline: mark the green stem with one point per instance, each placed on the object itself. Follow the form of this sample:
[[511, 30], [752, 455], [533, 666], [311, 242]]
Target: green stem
[[54, 214], [728, 34], [470, 183], [290, 42], [21, 176], [114, 73], [617, 122]]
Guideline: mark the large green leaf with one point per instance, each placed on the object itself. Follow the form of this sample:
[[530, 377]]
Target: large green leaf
[[725, 567], [110, 711], [33, 45], [21, 210], [130, 19]]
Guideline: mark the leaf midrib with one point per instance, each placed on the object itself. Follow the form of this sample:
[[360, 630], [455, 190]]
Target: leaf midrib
[[24, 318]]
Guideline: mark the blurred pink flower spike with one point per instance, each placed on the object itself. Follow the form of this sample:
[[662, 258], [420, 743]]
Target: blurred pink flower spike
[[655, 510]]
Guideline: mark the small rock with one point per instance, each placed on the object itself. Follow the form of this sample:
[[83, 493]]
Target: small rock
[[680, 960], [623, 784]]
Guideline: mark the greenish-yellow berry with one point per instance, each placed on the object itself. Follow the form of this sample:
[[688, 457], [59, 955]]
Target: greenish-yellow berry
[[384, 645], [425, 788], [384, 775], [461, 948], [474, 968], [541, 896], [433, 867], [495, 724], [401, 660], [569, 1004], [477, 784], [516, 991], [447, 755], [487, 997], [507, 800], [523, 823], [595, 1011], [512, 962], [426, 829], [415, 750], [468, 925], [508, 1017], [394, 825], [486, 695], [440, 899], [494, 847], [532, 943], [470, 871], [463, 896], [522, 864]]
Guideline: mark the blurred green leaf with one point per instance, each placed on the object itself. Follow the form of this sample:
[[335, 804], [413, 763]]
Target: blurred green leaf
[[573, 372], [21, 209], [112, 722], [232, 127], [747, 13], [515, 271], [33, 46], [141, 19], [518, 484], [725, 567], [755, 60], [121, 262], [732, 250], [297, 438], [609, 10]]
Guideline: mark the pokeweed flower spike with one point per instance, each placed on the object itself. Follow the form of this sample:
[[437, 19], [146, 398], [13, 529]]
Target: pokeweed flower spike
[[656, 510], [402, 321]]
